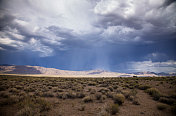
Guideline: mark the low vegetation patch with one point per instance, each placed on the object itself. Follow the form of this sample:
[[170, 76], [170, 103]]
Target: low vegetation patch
[[161, 106], [154, 93], [113, 109], [45, 96], [87, 99], [119, 99]]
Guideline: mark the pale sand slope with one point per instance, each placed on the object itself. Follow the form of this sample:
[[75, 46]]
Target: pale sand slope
[[42, 71]]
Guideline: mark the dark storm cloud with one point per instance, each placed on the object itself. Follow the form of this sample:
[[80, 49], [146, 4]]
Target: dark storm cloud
[[154, 18], [103, 34]]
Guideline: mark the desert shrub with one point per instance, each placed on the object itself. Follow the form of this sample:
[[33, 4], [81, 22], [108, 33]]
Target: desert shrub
[[104, 111], [165, 100], [173, 95], [19, 87], [104, 90], [133, 92], [143, 87], [38, 93], [13, 99], [92, 83], [43, 104], [4, 87], [136, 102], [4, 94], [60, 90], [14, 90], [98, 96], [48, 94], [87, 99], [80, 94], [161, 106], [119, 98], [110, 88], [22, 94], [93, 91], [154, 93], [81, 108], [29, 89], [126, 93], [28, 111], [50, 87], [109, 94], [113, 109], [103, 98], [173, 108], [71, 95], [115, 86], [131, 98], [62, 95], [35, 103]]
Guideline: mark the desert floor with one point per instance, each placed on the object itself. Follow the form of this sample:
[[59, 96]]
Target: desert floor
[[43, 96]]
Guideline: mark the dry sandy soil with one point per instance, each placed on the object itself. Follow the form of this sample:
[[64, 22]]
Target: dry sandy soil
[[30, 96]]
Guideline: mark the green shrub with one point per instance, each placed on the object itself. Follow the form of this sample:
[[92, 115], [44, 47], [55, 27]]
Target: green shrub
[[161, 106], [119, 98]]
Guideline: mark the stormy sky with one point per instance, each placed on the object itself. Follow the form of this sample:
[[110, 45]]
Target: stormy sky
[[114, 35]]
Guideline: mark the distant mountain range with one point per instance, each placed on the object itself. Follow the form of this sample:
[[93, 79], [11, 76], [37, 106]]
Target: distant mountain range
[[37, 70]]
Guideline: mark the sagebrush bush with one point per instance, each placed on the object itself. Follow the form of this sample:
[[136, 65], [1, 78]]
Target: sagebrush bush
[[173, 108], [13, 99], [28, 111], [71, 95], [165, 100], [135, 102], [126, 93], [87, 99], [98, 96], [39, 103], [48, 94], [143, 87], [80, 94], [14, 90], [119, 98], [113, 109], [161, 106], [109, 94], [4, 94], [154, 93]]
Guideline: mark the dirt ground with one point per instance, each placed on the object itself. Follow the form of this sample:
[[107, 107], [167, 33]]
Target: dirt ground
[[139, 96]]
